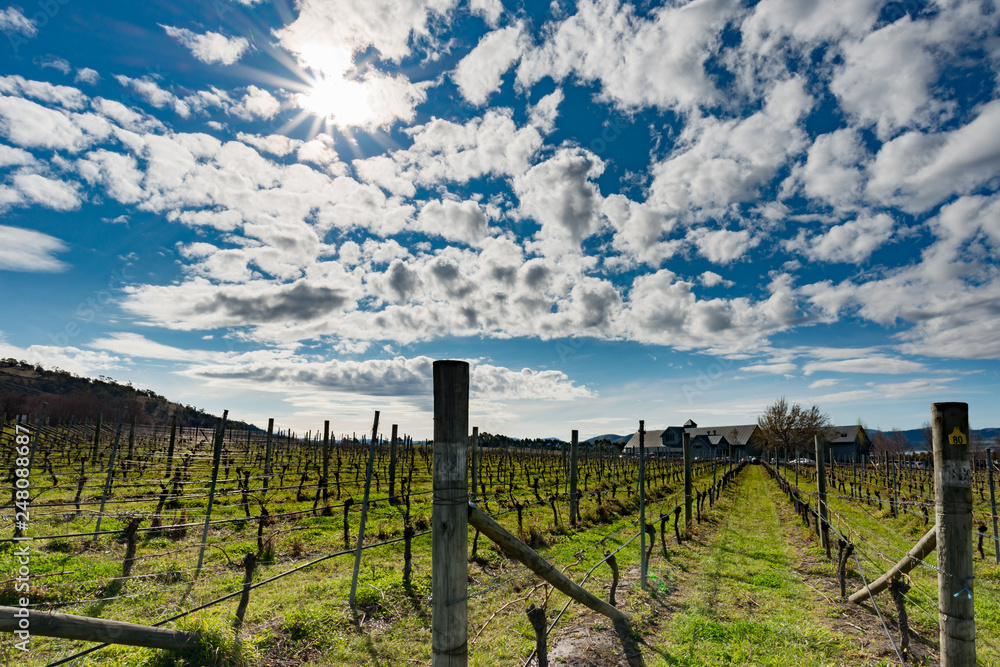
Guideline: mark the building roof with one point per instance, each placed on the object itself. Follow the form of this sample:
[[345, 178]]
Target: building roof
[[843, 435], [652, 439], [743, 432]]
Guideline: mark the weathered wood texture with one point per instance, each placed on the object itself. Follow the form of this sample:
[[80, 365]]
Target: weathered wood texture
[[69, 626], [521, 552], [449, 520], [953, 510], [920, 550]]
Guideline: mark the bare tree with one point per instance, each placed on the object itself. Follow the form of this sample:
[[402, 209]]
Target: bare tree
[[791, 427], [889, 442]]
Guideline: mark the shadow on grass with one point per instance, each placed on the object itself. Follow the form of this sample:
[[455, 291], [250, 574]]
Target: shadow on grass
[[629, 645], [358, 620]]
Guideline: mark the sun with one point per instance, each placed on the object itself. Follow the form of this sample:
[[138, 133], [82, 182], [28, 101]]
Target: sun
[[343, 102], [333, 93]]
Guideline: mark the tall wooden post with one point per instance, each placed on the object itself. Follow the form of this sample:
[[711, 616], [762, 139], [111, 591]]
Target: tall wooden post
[[573, 505], [686, 444], [267, 454], [474, 448], [643, 565], [449, 515], [326, 459], [821, 481], [993, 502], [97, 439], [216, 457], [170, 447], [111, 473], [953, 512], [364, 510], [392, 463]]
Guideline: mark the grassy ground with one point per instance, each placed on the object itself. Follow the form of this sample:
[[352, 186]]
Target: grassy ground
[[742, 601], [747, 588], [882, 539]]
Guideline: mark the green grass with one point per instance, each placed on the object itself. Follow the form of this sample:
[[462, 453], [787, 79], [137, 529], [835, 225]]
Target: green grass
[[742, 602], [882, 539]]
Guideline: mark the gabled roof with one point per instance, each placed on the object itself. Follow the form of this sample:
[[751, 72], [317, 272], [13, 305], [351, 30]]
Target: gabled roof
[[652, 439], [843, 435], [743, 432]]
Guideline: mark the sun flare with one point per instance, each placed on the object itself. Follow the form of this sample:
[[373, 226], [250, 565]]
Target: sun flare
[[343, 102]]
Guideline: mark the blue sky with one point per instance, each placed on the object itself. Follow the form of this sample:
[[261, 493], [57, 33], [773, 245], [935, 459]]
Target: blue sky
[[658, 211]]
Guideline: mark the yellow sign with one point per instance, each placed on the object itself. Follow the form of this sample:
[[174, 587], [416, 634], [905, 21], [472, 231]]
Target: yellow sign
[[958, 438]]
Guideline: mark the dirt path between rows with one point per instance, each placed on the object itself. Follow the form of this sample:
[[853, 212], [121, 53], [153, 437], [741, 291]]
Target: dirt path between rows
[[748, 588]]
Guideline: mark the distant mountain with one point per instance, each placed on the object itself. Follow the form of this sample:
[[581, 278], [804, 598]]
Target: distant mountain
[[987, 436], [609, 436], [25, 387]]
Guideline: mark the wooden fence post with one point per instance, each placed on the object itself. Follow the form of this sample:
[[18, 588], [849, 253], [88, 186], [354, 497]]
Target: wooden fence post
[[326, 459], [364, 510], [993, 503], [111, 474], [392, 465], [536, 616], [449, 515], [643, 564], [474, 449], [953, 510], [170, 447], [824, 535], [97, 438], [216, 457], [71, 626], [686, 444], [267, 457], [573, 501]]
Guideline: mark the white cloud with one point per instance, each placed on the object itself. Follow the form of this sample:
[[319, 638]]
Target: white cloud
[[852, 242], [719, 162], [916, 171], [397, 377], [888, 76], [490, 10], [10, 156], [257, 103], [275, 144], [30, 125], [135, 345], [456, 221], [211, 47], [832, 170], [543, 115], [13, 21], [71, 359], [479, 74], [561, 196], [87, 75], [711, 279], [28, 250], [49, 193], [150, 91], [807, 23], [443, 151], [722, 246], [65, 96], [659, 61], [870, 364], [772, 369], [55, 62], [387, 25]]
